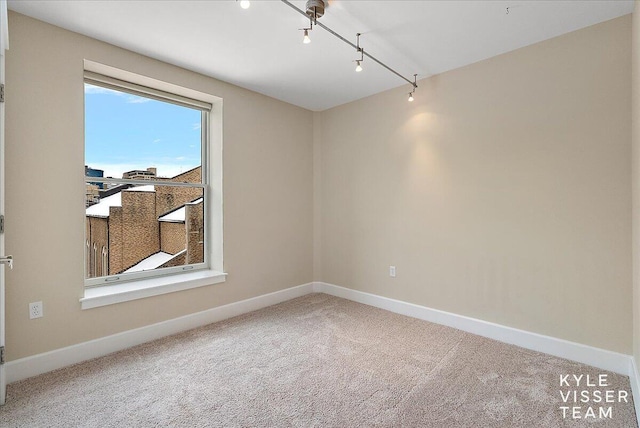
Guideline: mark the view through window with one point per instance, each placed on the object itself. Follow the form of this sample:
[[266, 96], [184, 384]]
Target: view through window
[[145, 182]]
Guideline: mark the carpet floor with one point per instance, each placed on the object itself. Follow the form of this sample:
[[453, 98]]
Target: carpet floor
[[319, 361]]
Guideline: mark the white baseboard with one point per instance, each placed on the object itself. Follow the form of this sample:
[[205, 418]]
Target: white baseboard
[[37, 364], [600, 358], [634, 380]]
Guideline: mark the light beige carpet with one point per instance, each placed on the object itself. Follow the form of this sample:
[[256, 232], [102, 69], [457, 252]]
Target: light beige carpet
[[316, 361]]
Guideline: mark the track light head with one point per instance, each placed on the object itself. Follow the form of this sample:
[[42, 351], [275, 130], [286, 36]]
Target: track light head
[[361, 51], [306, 39], [414, 87]]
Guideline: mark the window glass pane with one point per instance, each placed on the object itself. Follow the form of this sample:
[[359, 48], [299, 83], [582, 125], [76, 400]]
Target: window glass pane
[[135, 137], [139, 228]]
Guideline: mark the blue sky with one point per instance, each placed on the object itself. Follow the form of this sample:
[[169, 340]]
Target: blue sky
[[125, 132]]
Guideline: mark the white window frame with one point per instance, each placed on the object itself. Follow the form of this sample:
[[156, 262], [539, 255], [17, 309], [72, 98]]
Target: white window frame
[[104, 260], [94, 257], [107, 290]]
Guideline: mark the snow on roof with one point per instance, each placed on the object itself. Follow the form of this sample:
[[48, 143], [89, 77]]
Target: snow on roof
[[178, 216], [146, 188], [154, 261], [101, 209]]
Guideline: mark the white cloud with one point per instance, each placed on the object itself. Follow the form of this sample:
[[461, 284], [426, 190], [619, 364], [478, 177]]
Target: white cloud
[[132, 99], [157, 140], [196, 126]]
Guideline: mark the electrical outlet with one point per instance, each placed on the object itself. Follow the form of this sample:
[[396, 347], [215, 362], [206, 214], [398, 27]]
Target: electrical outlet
[[392, 271], [35, 310]]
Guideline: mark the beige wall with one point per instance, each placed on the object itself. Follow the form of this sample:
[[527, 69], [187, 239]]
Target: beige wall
[[635, 56], [502, 193], [268, 182]]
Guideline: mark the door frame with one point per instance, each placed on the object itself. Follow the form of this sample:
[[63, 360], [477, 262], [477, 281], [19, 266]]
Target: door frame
[[4, 45]]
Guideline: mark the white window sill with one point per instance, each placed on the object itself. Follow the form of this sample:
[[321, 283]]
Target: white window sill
[[117, 293]]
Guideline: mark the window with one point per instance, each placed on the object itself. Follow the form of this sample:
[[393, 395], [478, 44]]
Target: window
[[147, 182]]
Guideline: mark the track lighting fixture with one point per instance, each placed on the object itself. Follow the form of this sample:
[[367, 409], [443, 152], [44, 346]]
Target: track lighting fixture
[[306, 39], [410, 99], [359, 49], [245, 4], [314, 10]]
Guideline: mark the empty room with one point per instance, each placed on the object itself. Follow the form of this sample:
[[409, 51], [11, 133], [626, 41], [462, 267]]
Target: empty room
[[319, 213]]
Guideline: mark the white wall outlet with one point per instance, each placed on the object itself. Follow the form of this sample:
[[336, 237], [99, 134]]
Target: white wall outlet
[[35, 310], [392, 271]]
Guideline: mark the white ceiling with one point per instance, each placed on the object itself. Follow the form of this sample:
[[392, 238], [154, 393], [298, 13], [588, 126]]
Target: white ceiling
[[261, 48]]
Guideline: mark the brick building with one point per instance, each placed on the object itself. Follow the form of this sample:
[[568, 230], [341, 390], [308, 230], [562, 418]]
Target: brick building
[[138, 174], [136, 228]]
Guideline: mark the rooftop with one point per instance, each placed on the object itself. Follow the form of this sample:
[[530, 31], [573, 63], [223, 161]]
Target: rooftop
[[101, 209], [154, 261], [178, 215]]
